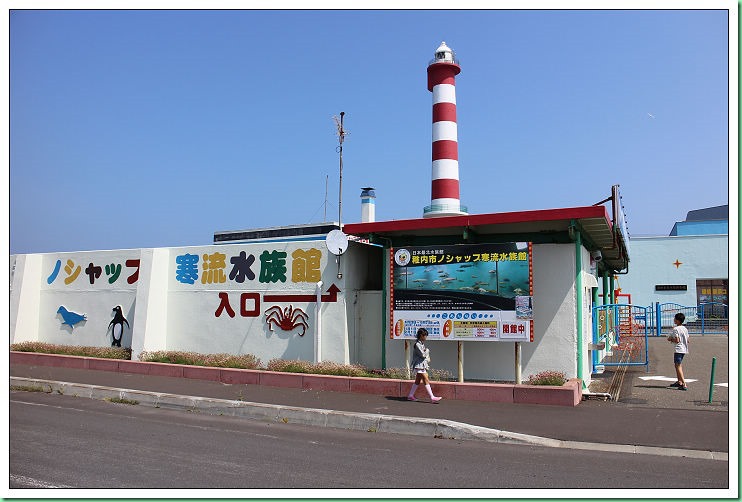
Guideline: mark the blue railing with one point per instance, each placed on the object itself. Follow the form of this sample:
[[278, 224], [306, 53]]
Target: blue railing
[[620, 331], [704, 319]]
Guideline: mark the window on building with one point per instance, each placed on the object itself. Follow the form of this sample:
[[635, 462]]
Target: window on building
[[714, 291]]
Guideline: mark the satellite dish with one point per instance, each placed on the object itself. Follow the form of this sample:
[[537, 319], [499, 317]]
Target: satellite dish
[[337, 242]]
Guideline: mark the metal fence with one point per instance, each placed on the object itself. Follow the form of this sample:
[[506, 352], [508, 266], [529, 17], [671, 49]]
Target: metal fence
[[621, 331], [705, 319]]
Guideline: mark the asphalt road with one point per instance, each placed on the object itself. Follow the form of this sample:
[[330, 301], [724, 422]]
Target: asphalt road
[[63, 441], [643, 388]]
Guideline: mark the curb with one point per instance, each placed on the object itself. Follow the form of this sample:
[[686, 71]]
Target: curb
[[569, 394], [368, 422]]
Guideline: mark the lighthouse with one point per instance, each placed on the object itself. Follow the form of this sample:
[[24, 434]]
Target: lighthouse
[[444, 198]]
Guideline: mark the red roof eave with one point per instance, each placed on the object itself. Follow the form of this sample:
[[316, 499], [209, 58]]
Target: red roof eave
[[474, 220]]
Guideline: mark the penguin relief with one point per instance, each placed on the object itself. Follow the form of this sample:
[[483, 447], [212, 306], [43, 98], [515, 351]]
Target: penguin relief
[[117, 326]]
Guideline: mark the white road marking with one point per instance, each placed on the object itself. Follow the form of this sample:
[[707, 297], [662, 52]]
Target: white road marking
[[722, 385], [34, 483], [666, 379]]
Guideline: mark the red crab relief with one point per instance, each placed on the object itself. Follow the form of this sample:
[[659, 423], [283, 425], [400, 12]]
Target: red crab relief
[[287, 319]]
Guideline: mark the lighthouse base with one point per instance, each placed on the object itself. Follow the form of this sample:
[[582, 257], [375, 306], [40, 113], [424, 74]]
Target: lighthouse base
[[439, 210]]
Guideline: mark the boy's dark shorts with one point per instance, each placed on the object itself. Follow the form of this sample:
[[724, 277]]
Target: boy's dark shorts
[[678, 357]]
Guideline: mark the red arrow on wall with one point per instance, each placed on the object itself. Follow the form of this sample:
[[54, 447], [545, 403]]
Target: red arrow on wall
[[331, 296]]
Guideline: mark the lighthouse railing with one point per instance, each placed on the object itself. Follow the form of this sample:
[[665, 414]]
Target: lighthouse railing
[[451, 60], [440, 208]]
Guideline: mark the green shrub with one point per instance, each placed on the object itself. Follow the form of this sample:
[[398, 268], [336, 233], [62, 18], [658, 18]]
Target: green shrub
[[121, 400], [434, 374], [242, 361], [329, 368], [28, 388], [440, 375], [289, 366], [323, 368], [73, 350], [547, 378], [395, 373]]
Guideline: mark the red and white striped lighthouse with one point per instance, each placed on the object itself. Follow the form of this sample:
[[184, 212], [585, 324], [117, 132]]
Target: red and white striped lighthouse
[[444, 198]]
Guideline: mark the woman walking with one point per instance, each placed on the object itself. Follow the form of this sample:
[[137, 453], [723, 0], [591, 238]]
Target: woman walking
[[420, 360]]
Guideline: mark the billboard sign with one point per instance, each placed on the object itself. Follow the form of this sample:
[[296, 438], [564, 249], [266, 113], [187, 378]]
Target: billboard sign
[[619, 219], [461, 292]]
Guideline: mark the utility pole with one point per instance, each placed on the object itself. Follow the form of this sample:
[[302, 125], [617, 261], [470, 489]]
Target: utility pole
[[341, 136], [327, 178]]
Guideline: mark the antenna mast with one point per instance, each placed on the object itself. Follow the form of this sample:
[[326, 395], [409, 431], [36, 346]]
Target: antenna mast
[[327, 177], [341, 136]]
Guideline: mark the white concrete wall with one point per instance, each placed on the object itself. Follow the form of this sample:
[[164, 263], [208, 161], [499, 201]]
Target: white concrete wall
[[24, 298], [166, 313], [193, 323], [652, 262], [555, 324], [44, 283], [149, 328]]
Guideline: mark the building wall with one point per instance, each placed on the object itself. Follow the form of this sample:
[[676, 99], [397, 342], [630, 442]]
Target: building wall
[[553, 310], [362, 275], [170, 308], [86, 283], [653, 262], [555, 326], [367, 330], [705, 227]]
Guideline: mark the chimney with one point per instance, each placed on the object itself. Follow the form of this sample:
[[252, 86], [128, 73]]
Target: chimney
[[368, 205]]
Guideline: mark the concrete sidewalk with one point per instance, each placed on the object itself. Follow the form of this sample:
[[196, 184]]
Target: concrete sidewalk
[[646, 415]]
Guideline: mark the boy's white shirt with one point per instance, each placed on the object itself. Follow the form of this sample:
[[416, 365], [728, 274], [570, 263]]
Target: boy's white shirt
[[680, 337]]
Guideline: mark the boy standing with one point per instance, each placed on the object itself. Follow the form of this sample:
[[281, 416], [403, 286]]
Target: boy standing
[[679, 337]]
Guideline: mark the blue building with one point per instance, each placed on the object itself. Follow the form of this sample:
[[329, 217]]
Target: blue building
[[709, 221], [689, 267]]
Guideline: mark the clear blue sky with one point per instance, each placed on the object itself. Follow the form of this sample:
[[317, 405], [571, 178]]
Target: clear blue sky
[[133, 129]]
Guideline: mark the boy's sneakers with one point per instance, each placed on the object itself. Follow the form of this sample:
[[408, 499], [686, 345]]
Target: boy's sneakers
[[684, 387], [676, 384], [435, 399]]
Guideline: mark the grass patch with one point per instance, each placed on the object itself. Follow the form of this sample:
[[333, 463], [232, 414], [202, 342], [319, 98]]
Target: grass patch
[[351, 370], [240, 361], [120, 400], [73, 350], [29, 388]]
